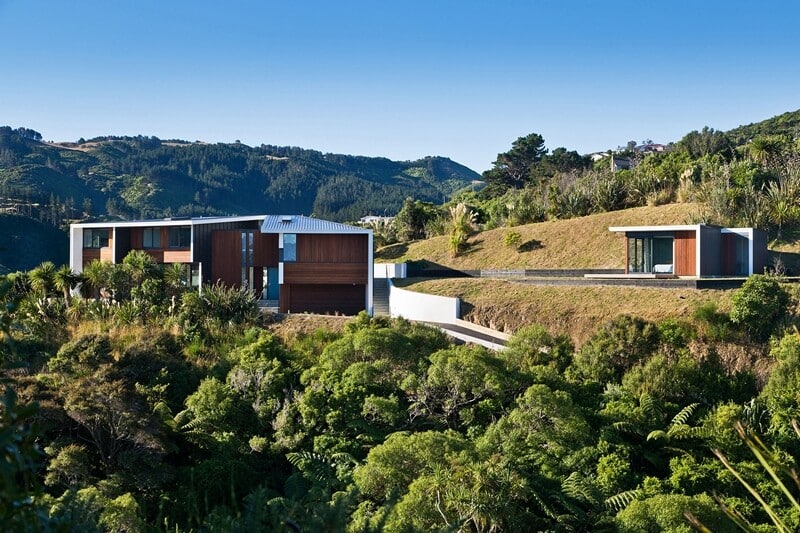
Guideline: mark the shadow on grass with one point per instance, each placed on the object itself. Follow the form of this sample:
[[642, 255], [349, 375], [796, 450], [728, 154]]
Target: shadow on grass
[[472, 247], [393, 251], [789, 261], [530, 246]]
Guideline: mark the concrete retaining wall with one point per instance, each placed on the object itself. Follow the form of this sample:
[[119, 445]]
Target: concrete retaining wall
[[389, 270], [423, 307]]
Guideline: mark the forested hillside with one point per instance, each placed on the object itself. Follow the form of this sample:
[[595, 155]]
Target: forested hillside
[[144, 177], [167, 411]]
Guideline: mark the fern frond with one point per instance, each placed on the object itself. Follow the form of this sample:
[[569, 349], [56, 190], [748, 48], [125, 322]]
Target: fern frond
[[319, 467], [619, 501], [649, 406], [627, 427], [684, 414], [577, 487]]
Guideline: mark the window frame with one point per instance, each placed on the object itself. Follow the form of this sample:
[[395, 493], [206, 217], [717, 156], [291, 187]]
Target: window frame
[[177, 235], [153, 232], [98, 238]]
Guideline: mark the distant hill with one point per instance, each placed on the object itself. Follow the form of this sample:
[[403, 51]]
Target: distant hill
[[784, 124], [24, 243], [144, 177]]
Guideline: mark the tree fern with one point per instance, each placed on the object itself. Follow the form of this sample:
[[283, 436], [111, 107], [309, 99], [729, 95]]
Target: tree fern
[[619, 501]]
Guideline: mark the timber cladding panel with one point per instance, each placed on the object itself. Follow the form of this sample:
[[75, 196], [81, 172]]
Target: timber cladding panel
[[328, 273], [265, 250], [90, 254], [685, 253], [226, 257], [323, 299], [332, 248]]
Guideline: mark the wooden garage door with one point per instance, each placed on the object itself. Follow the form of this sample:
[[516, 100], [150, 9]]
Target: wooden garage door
[[324, 299]]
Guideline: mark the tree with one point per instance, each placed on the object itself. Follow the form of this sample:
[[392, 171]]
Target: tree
[[513, 168], [706, 142], [412, 218], [759, 306], [616, 347]]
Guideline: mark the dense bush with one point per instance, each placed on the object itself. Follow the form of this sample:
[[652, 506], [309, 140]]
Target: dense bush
[[759, 307]]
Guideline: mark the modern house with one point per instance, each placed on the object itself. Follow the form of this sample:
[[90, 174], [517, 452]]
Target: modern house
[[295, 263], [697, 250]]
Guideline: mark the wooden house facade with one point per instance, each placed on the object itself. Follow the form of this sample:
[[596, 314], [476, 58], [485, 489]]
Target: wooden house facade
[[294, 263]]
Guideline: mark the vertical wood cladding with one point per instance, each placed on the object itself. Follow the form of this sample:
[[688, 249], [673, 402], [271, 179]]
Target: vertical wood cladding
[[265, 252], [202, 241], [685, 253], [728, 254], [323, 299], [226, 258], [331, 248]]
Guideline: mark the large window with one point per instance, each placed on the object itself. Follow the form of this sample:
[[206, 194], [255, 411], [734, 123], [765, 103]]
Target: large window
[[180, 237], [289, 247], [95, 238], [652, 255], [151, 238]]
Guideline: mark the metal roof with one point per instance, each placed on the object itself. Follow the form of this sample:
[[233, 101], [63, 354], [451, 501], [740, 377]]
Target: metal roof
[[302, 224], [174, 221]]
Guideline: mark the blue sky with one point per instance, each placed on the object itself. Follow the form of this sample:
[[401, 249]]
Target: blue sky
[[461, 79]]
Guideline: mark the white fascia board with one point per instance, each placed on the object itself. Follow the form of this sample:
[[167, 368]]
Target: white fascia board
[[678, 227], [154, 223]]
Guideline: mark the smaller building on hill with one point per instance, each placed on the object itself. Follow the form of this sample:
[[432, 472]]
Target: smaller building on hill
[[697, 250], [298, 264]]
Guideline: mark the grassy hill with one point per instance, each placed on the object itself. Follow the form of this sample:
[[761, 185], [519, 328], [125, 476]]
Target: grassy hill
[[576, 311], [24, 243], [583, 242]]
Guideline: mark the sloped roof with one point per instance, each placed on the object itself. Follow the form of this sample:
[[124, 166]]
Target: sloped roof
[[302, 224]]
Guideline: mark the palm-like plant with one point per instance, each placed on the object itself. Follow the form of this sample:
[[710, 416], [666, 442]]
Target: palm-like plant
[[139, 265], [174, 275], [65, 280], [782, 200], [95, 277], [42, 278], [462, 224]]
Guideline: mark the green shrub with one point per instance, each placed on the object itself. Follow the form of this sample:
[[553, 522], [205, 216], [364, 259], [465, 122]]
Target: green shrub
[[759, 306], [512, 239], [616, 347]]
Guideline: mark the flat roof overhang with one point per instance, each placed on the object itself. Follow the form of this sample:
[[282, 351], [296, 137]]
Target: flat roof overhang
[[163, 222], [654, 229]]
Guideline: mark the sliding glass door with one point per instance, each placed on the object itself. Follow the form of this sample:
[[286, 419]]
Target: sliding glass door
[[650, 255]]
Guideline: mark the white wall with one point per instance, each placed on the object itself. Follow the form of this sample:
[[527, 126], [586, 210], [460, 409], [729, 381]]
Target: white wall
[[423, 307], [389, 270]]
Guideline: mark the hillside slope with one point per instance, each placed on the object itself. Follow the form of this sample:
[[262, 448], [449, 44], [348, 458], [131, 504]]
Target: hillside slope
[[24, 243], [143, 177], [577, 311], [583, 242]]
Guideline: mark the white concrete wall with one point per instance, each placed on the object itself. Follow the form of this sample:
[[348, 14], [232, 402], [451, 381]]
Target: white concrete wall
[[390, 270], [76, 248], [423, 307]]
